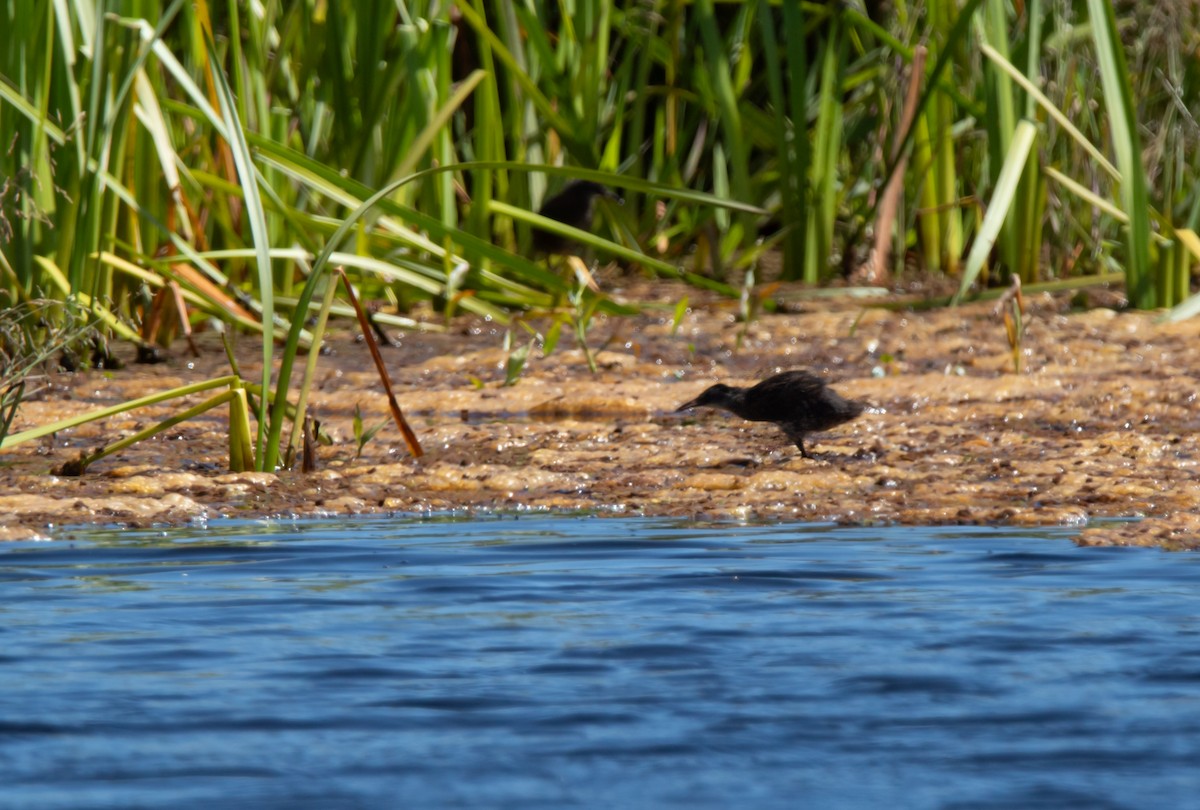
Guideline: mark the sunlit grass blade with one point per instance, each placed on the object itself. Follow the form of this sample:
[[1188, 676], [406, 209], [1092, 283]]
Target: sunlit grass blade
[[1127, 143], [151, 399], [10, 400], [1000, 205], [931, 138], [241, 437], [1021, 235], [545, 108], [438, 123], [197, 289], [1060, 118], [1190, 307], [383, 318], [79, 465], [731, 129], [790, 116], [258, 232], [287, 360], [827, 147]]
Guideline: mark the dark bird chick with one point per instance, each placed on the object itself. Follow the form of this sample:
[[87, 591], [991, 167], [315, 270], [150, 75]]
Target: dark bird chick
[[575, 205], [797, 401]]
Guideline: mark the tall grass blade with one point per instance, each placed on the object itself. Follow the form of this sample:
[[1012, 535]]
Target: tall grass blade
[[151, 399], [259, 234], [827, 147], [1000, 206], [80, 465], [1190, 307], [1118, 97], [790, 119], [731, 127]]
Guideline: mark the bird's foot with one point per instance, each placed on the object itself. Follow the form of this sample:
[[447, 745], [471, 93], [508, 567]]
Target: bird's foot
[[738, 461]]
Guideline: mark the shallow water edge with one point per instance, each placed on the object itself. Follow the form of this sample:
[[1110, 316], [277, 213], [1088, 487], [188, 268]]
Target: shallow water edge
[[576, 662]]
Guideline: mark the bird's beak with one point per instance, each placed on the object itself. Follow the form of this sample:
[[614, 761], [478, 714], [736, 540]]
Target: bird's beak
[[687, 406]]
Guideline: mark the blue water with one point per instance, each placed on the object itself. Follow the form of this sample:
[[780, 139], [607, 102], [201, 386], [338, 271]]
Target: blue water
[[576, 662]]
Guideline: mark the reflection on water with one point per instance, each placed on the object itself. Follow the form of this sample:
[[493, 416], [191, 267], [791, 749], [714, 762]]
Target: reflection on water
[[596, 662]]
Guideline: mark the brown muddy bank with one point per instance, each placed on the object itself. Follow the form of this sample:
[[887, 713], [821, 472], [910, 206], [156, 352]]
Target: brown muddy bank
[[1101, 423]]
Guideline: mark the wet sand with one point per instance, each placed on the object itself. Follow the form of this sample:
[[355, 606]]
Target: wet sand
[[1101, 423]]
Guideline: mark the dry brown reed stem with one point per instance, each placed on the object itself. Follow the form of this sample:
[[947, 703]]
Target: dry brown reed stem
[[410, 438], [885, 222]]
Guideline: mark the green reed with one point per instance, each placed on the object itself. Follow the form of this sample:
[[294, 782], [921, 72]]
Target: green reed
[[236, 150]]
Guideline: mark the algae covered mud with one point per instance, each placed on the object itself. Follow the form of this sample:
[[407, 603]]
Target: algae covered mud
[[1100, 423]]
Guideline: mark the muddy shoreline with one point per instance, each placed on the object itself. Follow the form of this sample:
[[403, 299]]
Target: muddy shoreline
[[1101, 423]]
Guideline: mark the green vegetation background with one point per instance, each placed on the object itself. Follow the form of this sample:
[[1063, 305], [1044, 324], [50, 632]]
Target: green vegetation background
[[220, 160]]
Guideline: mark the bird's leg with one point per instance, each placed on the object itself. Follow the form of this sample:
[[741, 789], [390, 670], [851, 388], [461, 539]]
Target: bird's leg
[[797, 436]]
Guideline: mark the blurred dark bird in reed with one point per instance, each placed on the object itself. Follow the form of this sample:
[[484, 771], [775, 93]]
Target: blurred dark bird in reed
[[575, 205]]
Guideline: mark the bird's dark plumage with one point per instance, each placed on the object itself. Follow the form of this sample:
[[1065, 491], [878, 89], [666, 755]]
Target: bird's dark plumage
[[574, 206], [797, 401]]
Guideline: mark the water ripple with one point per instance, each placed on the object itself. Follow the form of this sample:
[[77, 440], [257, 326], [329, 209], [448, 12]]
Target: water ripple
[[580, 662]]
